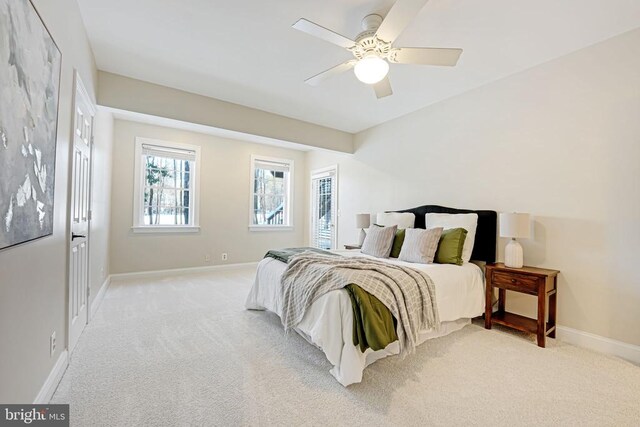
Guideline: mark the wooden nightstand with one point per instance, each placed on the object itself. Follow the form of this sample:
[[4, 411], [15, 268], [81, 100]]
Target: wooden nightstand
[[528, 280], [353, 246]]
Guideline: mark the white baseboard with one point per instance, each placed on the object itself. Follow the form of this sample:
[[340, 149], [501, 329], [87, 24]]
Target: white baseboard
[[599, 343], [50, 385], [179, 271], [95, 304]]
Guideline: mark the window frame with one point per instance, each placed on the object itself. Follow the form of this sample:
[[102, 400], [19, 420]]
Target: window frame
[[288, 211], [138, 193]]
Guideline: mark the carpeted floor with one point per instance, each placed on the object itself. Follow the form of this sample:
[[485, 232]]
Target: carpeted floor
[[183, 351]]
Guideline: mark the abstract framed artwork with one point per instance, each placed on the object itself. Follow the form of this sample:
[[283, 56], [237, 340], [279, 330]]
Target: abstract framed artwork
[[30, 68]]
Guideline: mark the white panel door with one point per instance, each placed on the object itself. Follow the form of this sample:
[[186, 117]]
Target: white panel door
[[80, 214], [324, 208]]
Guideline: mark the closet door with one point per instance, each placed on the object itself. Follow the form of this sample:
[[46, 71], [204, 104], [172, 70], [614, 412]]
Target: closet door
[[80, 214]]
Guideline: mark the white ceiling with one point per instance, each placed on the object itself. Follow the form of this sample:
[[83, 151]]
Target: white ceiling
[[245, 51]]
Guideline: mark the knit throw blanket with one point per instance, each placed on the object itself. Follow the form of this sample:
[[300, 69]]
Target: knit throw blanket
[[408, 293]]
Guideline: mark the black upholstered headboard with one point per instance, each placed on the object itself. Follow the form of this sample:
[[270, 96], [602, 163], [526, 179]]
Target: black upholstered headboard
[[484, 248]]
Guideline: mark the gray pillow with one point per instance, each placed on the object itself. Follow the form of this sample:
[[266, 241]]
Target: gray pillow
[[420, 245], [379, 241]]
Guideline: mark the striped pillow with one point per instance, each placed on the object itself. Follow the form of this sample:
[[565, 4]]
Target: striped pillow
[[379, 241], [420, 245]]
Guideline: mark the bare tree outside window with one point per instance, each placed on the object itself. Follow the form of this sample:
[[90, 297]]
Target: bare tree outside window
[[166, 191], [269, 197], [166, 187], [270, 192]]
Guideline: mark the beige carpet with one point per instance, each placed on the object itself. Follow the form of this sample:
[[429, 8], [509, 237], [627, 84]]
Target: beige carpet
[[183, 351]]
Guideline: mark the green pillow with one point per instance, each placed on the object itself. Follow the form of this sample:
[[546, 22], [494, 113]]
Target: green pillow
[[397, 242], [450, 246]]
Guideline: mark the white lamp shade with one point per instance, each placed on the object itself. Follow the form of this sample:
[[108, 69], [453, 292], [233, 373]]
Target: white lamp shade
[[515, 225], [363, 220]]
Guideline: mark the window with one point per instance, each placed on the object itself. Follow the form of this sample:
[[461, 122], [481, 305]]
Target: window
[[165, 196], [270, 193]]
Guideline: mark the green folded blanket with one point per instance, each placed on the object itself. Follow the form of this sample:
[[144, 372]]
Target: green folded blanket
[[373, 324]]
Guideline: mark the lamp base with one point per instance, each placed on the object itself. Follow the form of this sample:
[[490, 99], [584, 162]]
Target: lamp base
[[513, 256], [363, 234]]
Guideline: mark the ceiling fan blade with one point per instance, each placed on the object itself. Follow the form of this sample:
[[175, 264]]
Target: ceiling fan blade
[[319, 78], [383, 88], [323, 33], [400, 15], [425, 56]]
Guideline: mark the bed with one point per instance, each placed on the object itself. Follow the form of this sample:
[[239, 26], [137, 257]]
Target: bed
[[328, 323]]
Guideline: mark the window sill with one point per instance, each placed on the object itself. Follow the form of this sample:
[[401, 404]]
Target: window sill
[[165, 229], [270, 228]]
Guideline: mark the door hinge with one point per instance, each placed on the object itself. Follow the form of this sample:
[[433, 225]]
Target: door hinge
[[89, 214], [88, 291]]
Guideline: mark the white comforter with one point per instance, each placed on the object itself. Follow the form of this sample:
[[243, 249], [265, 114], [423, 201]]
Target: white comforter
[[329, 321]]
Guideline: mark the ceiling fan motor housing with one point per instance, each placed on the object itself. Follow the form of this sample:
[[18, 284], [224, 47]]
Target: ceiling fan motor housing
[[371, 22], [367, 43]]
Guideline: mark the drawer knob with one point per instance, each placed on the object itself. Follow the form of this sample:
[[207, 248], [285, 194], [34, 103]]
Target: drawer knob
[[513, 280]]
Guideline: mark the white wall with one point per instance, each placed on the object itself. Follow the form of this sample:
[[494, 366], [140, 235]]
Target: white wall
[[224, 204], [33, 276], [561, 141], [129, 94]]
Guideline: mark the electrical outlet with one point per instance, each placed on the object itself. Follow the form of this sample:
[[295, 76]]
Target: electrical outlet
[[207, 258], [224, 256], [52, 344]]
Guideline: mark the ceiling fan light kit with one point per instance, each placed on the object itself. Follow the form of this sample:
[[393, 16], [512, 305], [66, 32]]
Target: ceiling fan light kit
[[371, 69], [372, 48]]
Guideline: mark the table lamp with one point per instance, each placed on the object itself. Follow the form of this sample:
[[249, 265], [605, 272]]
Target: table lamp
[[362, 221], [515, 226]]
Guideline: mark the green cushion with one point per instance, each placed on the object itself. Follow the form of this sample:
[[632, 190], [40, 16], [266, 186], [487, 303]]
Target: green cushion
[[397, 242], [450, 246]]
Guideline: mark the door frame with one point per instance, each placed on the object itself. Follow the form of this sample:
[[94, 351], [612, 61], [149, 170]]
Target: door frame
[[78, 86], [316, 172]]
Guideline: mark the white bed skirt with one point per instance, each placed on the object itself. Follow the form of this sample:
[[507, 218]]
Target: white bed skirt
[[353, 361], [328, 323]]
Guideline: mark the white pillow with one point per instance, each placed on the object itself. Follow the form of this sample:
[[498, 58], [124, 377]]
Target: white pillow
[[402, 220], [448, 221]]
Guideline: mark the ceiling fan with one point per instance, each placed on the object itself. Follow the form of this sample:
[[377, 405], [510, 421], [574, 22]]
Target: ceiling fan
[[372, 48]]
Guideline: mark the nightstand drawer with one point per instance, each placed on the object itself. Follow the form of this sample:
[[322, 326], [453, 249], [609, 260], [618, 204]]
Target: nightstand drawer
[[516, 282]]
